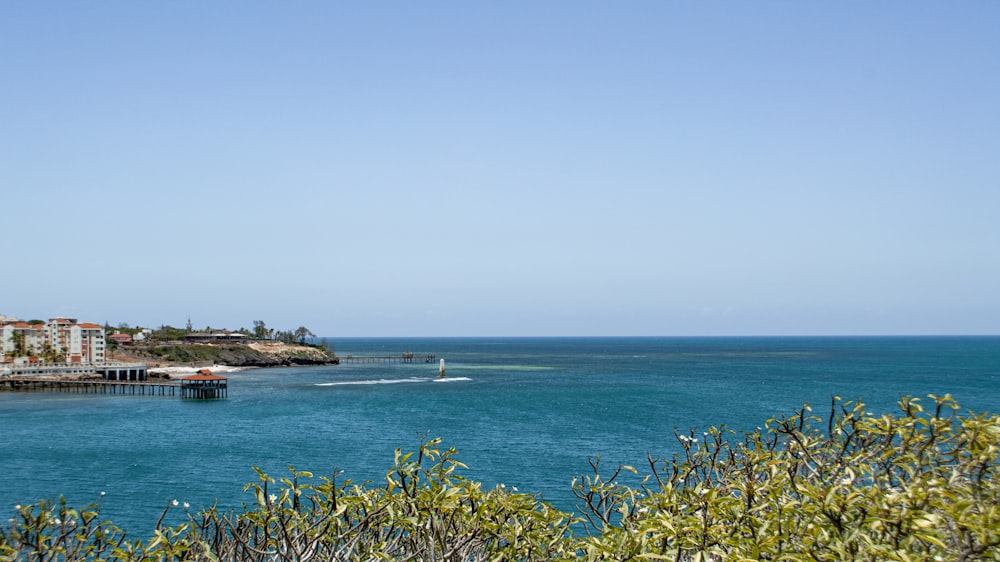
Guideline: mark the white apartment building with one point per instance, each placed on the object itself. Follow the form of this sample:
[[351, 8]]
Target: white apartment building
[[30, 334], [77, 343]]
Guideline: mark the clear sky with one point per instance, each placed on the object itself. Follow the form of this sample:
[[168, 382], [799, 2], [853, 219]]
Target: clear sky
[[504, 168]]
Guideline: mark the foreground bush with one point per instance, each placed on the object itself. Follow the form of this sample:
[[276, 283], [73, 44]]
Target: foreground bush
[[919, 485]]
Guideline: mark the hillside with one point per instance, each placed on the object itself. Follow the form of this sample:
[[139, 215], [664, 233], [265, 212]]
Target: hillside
[[253, 354]]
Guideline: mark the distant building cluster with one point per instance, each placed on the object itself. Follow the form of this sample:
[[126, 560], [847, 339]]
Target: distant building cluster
[[60, 340], [225, 336]]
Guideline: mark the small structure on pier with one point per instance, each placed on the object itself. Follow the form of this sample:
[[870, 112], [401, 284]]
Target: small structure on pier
[[203, 385], [122, 371]]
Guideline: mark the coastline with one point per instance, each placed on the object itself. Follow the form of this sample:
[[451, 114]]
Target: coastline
[[617, 397], [182, 359], [178, 372]]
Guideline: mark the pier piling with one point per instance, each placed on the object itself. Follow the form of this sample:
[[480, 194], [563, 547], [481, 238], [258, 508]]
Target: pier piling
[[84, 386]]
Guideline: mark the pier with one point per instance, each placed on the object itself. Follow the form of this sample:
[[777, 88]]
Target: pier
[[109, 370], [90, 386], [406, 357], [201, 386]]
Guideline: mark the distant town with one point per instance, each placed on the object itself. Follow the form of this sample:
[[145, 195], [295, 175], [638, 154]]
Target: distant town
[[69, 346]]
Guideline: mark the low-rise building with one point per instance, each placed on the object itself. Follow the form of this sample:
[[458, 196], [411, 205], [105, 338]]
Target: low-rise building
[[120, 338]]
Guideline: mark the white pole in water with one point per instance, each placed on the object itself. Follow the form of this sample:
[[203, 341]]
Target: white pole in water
[[441, 370]]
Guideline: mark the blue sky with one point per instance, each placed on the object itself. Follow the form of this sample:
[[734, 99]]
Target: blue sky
[[504, 169]]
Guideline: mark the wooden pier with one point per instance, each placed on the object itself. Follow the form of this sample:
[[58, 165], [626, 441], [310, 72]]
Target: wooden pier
[[406, 357], [90, 386]]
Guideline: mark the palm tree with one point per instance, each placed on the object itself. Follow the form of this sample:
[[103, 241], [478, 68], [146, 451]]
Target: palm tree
[[51, 355], [19, 347]]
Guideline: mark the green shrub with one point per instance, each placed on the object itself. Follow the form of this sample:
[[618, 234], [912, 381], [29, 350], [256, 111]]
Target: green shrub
[[851, 486], [915, 486]]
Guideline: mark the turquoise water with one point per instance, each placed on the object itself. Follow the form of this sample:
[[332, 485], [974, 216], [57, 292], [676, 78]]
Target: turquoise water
[[524, 412]]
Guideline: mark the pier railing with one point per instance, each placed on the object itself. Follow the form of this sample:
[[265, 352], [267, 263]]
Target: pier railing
[[110, 370], [65, 368]]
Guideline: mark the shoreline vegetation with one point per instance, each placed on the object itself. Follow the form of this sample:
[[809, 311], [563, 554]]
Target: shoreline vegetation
[[922, 484], [174, 359], [170, 351]]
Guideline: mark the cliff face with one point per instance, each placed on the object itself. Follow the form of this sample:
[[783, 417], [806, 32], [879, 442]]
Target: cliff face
[[254, 354], [293, 354]]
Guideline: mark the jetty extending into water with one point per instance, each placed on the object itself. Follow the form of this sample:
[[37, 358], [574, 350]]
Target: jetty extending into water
[[406, 357], [201, 386], [89, 386]]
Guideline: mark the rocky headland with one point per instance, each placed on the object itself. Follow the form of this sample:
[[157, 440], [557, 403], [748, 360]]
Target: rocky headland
[[252, 354]]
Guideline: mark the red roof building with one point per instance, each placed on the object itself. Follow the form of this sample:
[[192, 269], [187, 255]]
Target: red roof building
[[203, 385], [120, 338]]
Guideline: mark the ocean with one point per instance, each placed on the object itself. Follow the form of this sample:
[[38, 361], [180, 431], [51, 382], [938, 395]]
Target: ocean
[[525, 412]]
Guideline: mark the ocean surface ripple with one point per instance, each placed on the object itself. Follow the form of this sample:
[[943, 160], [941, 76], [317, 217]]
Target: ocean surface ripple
[[527, 412]]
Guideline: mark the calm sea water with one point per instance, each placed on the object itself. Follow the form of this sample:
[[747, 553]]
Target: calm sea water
[[524, 412]]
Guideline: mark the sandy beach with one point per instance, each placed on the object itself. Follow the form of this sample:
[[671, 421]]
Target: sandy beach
[[180, 372]]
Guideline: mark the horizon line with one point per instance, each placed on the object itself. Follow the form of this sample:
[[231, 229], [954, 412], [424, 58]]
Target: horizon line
[[938, 335]]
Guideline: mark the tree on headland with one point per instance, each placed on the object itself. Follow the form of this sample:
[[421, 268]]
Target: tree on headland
[[261, 331], [301, 333], [167, 333]]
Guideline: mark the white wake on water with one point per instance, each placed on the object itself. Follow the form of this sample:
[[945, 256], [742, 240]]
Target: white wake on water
[[392, 381]]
